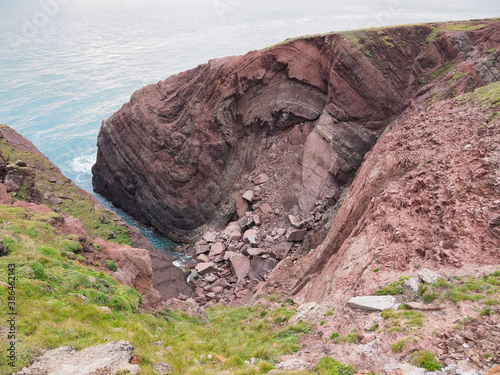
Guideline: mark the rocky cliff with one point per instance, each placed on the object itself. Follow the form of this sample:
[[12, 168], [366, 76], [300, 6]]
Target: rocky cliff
[[176, 156], [29, 180]]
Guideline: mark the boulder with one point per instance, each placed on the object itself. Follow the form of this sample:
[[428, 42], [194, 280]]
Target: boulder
[[427, 276], [411, 288], [162, 368], [256, 220], [3, 250], [295, 136], [250, 236], [296, 221], [210, 236], [493, 371], [205, 268], [202, 258], [240, 265], [295, 235], [168, 279], [248, 196], [105, 310], [134, 269], [217, 251], [11, 186], [256, 251], [259, 267], [241, 206], [282, 249], [108, 358], [5, 197], [232, 227], [261, 178], [202, 249], [235, 235], [265, 208], [372, 303], [229, 254]]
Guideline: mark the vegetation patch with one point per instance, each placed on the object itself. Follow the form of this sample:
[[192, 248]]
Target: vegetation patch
[[396, 287], [403, 320], [398, 346], [350, 338], [97, 222], [330, 366], [485, 289], [358, 39], [426, 360], [453, 27]]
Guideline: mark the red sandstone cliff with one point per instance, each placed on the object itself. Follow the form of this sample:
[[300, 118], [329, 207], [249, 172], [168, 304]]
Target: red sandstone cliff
[[177, 154]]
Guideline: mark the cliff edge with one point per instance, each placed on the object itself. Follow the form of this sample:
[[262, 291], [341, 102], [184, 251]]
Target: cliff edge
[[177, 155]]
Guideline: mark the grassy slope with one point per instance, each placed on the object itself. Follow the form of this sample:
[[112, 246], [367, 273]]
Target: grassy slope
[[51, 312], [82, 206]]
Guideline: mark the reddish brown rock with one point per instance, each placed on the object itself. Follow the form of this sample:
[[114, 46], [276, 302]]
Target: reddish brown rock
[[265, 208], [210, 236], [206, 268], [134, 269], [240, 266], [401, 212], [261, 179], [203, 258], [241, 206], [217, 252], [256, 251], [250, 236], [260, 267], [235, 236], [282, 249], [33, 207], [202, 249], [5, 197], [295, 235]]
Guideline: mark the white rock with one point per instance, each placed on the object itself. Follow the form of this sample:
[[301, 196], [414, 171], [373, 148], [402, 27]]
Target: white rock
[[372, 303], [111, 357], [248, 196], [427, 276]]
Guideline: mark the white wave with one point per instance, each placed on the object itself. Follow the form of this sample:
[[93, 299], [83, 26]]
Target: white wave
[[83, 164]]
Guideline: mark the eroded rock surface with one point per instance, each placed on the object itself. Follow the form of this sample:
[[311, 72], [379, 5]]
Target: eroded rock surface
[[103, 359], [176, 154]]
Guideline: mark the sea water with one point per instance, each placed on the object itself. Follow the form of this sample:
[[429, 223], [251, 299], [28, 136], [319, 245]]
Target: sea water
[[67, 64]]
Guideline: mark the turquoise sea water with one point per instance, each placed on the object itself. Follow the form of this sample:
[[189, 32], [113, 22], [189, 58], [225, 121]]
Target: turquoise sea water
[[67, 64]]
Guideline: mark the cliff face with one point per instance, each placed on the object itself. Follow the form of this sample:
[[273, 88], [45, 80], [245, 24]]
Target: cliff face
[[29, 180], [177, 154]]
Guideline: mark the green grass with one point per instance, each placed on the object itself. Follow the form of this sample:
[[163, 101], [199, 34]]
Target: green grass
[[403, 320], [330, 366], [398, 346], [81, 206], [52, 313], [111, 265], [485, 289], [426, 360], [350, 338], [396, 287], [357, 38], [453, 26]]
